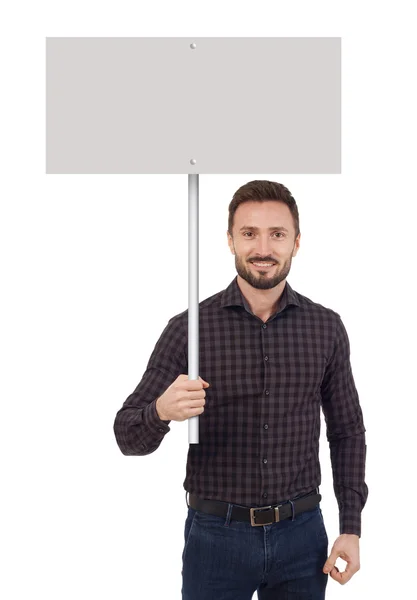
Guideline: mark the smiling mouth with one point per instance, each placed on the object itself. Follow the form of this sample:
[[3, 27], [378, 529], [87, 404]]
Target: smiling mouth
[[262, 265]]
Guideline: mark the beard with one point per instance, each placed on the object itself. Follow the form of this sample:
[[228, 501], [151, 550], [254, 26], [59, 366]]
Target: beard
[[263, 280]]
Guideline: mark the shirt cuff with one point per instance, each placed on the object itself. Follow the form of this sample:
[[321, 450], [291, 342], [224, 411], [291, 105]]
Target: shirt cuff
[[153, 420], [350, 521]]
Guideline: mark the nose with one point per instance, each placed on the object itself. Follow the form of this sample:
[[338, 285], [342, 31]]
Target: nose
[[264, 248]]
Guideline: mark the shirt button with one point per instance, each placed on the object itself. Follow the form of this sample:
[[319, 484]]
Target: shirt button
[[265, 460], [264, 326], [266, 426], [265, 495], [266, 358], [160, 429], [267, 392]]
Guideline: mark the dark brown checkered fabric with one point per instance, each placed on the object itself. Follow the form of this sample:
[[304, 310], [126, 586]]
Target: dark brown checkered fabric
[[259, 433]]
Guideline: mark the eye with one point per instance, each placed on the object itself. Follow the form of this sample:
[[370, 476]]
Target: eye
[[279, 232]]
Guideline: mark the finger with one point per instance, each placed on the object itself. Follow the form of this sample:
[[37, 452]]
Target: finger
[[329, 564], [350, 570], [341, 577], [336, 574]]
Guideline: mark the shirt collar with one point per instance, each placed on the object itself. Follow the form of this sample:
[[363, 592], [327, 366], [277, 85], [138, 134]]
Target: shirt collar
[[232, 296]]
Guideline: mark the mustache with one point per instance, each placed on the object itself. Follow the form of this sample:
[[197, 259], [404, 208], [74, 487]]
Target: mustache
[[267, 260]]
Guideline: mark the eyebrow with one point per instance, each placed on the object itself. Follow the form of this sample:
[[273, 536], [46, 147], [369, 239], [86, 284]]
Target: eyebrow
[[257, 228]]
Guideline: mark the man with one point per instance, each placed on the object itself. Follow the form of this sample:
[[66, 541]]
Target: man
[[271, 358]]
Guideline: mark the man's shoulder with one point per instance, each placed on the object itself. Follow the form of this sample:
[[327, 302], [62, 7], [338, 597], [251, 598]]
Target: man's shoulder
[[208, 303], [309, 304]]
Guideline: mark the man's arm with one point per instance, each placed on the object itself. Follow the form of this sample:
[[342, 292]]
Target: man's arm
[[137, 426], [345, 434]]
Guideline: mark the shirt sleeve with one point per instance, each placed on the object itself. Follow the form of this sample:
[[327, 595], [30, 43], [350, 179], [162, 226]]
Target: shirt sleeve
[[137, 426], [345, 434]]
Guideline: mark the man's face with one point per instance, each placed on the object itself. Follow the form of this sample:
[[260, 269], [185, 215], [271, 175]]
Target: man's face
[[275, 245]]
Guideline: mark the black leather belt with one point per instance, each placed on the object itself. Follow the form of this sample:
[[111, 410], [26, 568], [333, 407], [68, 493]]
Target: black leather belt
[[262, 515]]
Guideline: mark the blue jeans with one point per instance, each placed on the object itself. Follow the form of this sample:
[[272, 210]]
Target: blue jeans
[[226, 559]]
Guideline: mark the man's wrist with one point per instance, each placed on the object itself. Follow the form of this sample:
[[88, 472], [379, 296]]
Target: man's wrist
[[158, 411]]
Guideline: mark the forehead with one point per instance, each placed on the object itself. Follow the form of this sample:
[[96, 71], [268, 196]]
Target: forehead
[[263, 214]]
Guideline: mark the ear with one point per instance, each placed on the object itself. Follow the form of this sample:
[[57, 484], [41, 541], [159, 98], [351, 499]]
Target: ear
[[230, 242], [296, 245]]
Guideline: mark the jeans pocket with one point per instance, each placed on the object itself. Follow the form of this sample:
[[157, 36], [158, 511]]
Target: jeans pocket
[[323, 532], [188, 527]]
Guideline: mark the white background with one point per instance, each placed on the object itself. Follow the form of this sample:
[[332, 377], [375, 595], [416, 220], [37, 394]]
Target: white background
[[93, 267]]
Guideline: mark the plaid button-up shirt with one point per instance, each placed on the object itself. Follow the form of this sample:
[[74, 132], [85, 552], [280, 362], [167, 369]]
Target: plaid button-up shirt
[[260, 429]]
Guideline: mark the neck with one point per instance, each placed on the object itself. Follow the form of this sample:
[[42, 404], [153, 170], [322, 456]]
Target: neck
[[261, 302]]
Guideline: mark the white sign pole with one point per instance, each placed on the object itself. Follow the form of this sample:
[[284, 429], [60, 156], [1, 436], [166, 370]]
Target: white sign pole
[[193, 303]]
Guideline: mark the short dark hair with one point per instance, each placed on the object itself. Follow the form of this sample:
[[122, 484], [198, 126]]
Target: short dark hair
[[262, 190]]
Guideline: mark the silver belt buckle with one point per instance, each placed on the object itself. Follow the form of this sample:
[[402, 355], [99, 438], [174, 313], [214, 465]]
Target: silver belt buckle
[[253, 516]]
